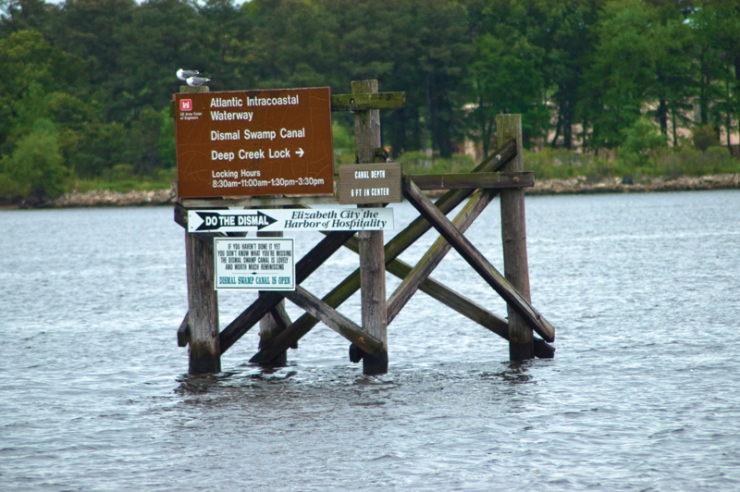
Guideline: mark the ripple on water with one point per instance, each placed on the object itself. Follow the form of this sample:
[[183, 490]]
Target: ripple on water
[[641, 394]]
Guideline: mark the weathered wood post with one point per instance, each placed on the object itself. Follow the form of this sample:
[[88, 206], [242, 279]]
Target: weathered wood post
[[372, 255], [204, 350], [514, 235], [274, 322]]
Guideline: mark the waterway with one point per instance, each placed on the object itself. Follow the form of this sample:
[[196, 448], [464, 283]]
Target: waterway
[[642, 393]]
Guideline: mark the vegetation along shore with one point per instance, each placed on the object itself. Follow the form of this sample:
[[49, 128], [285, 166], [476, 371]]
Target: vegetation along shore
[[576, 185], [627, 90]]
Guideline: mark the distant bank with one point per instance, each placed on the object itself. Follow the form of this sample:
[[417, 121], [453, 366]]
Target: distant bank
[[580, 185], [570, 186]]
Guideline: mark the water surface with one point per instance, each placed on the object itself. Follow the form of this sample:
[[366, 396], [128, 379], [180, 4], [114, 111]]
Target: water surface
[[642, 394]]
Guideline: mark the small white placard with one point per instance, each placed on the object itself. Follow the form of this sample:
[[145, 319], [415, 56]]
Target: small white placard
[[254, 264]]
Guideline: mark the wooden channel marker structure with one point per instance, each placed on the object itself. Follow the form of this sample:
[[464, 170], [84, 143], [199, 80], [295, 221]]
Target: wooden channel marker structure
[[271, 150]]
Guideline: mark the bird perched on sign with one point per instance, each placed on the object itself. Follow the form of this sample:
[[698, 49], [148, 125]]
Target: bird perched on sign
[[184, 74], [197, 81]]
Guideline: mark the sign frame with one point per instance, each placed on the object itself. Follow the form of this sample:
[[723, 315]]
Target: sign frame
[[254, 143], [247, 279]]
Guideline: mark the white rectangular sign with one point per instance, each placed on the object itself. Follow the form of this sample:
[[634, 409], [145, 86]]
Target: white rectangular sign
[[316, 219], [254, 264]]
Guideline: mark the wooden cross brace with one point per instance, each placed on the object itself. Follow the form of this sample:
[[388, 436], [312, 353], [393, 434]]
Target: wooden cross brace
[[321, 252], [416, 278], [476, 260]]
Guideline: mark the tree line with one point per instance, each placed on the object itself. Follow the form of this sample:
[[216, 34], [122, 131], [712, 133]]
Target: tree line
[[86, 84]]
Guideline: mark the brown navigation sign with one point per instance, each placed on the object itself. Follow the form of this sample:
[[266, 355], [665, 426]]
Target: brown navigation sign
[[370, 183], [251, 143]]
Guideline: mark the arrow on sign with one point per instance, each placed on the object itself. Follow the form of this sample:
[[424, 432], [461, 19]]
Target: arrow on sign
[[213, 221], [299, 152]]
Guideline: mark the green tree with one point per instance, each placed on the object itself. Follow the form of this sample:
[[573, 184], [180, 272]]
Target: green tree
[[144, 136], [563, 31], [624, 68], [37, 164], [641, 140], [294, 44], [716, 29], [21, 15], [704, 137], [501, 79], [90, 31], [228, 45], [166, 142], [26, 63]]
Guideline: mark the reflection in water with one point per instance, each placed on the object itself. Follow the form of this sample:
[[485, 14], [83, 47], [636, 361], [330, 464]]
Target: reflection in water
[[516, 373]]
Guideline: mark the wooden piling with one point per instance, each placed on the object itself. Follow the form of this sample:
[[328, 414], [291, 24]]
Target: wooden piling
[[199, 328], [273, 322], [514, 238], [372, 256], [202, 318], [456, 302], [205, 354]]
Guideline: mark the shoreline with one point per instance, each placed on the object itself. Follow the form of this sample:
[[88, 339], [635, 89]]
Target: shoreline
[[580, 185], [572, 186]]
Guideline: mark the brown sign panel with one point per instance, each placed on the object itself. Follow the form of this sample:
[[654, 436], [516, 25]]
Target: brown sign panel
[[252, 143], [370, 183]]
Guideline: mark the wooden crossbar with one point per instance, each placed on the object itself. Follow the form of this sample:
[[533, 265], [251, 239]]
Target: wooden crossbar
[[436, 253], [368, 101], [476, 260], [281, 316], [393, 249], [474, 180], [335, 320]]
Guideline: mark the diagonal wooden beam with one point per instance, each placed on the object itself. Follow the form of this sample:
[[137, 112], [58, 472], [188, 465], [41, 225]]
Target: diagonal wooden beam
[[468, 308], [434, 255], [335, 320], [393, 249], [183, 333], [461, 304], [476, 260], [268, 300], [281, 316]]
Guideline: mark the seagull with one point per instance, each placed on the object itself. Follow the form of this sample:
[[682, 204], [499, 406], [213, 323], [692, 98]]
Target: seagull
[[184, 74], [197, 81]]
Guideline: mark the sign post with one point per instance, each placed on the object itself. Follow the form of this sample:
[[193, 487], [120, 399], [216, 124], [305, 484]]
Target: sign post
[[254, 143]]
